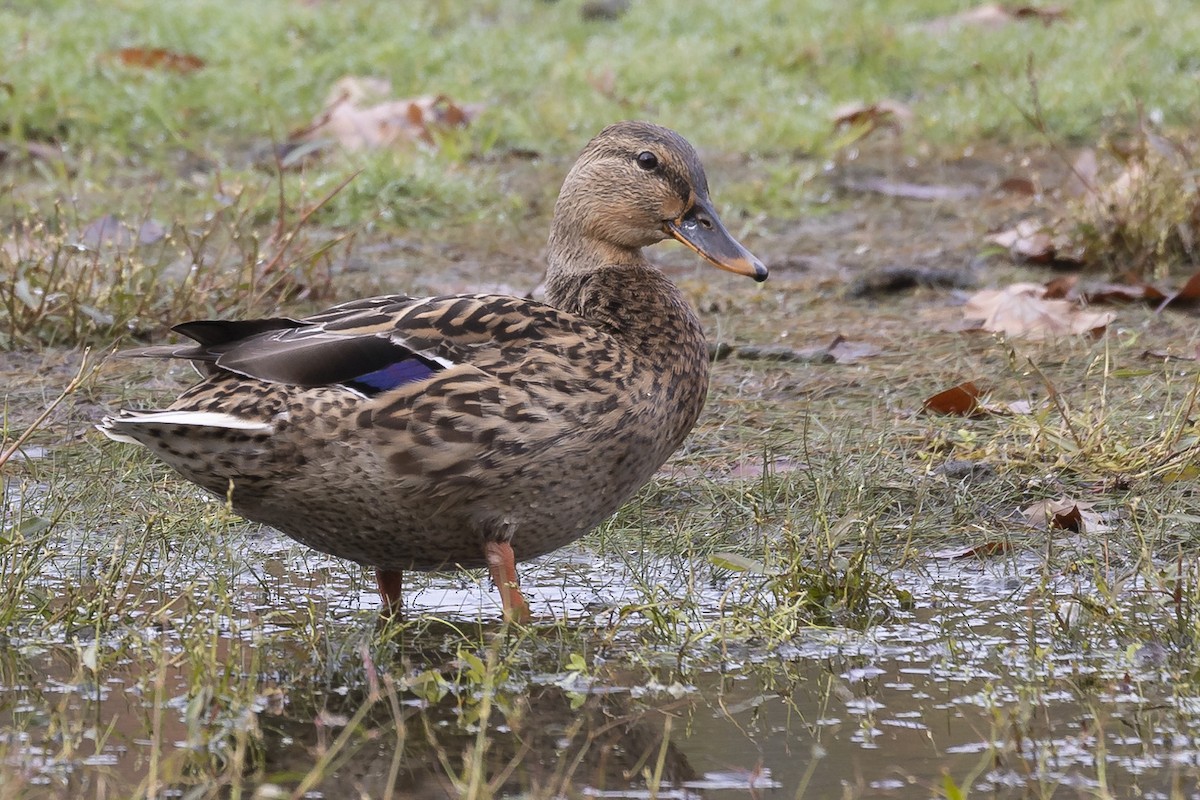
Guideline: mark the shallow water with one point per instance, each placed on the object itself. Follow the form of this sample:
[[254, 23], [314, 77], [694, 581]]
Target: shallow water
[[979, 680]]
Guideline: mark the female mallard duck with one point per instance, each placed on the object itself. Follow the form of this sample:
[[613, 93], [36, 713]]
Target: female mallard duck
[[470, 430]]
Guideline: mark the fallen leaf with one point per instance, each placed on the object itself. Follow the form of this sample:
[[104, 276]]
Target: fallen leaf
[[961, 400], [1063, 514], [359, 115], [912, 191], [1022, 310], [992, 548], [1069, 287], [872, 116], [995, 15], [159, 58], [1120, 293], [738, 563], [1018, 184]]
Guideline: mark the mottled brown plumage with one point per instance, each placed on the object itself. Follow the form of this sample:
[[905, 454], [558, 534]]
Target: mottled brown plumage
[[462, 431]]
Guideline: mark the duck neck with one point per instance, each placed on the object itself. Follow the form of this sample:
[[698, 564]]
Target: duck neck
[[627, 297], [595, 271]]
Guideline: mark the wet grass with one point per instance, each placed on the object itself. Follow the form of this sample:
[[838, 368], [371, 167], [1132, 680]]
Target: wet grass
[[826, 593]]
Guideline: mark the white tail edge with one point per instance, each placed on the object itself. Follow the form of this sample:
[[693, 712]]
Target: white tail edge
[[111, 426]]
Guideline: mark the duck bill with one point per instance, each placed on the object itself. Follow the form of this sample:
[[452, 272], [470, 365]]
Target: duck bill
[[700, 229]]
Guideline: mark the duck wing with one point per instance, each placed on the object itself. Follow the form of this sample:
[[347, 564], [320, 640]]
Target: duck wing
[[382, 343]]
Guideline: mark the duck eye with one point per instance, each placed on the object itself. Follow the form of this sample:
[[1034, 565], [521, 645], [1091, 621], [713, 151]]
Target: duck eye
[[647, 160]]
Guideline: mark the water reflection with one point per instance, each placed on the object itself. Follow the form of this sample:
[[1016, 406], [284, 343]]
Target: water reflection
[[545, 741]]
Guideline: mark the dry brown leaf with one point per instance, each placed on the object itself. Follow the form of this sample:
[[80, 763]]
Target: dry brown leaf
[[995, 15], [1023, 310], [359, 115], [883, 114], [966, 400], [1019, 184], [159, 58], [1063, 514], [1069, 287], [961, 400], [1121, 293]]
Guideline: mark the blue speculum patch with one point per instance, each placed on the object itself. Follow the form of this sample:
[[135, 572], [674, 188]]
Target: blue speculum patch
[[409, 370]]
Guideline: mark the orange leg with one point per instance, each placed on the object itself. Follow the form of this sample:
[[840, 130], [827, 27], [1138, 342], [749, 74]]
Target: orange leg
[[388, 581], [503, 568]]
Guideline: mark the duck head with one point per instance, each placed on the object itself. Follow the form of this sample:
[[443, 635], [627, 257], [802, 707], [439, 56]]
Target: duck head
[[634, 185]]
